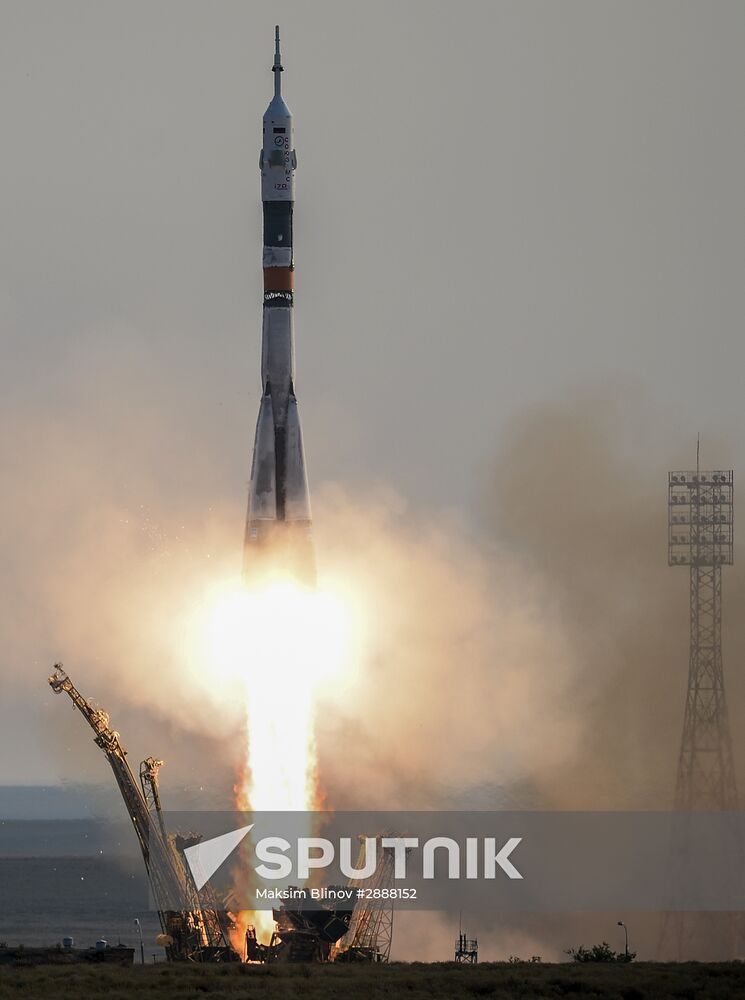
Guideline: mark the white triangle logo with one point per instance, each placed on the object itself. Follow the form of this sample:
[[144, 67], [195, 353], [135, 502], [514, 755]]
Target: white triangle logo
[[206, 857]]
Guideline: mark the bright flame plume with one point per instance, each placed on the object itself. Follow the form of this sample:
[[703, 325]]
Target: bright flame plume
[[280, 645]]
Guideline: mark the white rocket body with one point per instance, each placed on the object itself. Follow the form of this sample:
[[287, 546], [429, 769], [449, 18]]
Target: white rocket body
[[278, 526]]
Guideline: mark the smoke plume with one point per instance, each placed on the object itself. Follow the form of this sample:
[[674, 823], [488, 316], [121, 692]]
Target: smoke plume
[[537, 659]]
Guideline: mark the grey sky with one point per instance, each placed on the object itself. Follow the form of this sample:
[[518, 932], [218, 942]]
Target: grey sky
[[497, 203]]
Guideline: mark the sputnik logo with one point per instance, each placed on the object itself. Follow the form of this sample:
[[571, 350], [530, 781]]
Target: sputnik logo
[[482, 855], [206, 857]]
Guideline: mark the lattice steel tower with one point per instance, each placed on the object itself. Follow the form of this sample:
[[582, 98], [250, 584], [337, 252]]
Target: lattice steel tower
[[700, 536]]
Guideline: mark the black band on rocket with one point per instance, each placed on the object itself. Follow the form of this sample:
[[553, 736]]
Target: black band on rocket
[[277, 223]]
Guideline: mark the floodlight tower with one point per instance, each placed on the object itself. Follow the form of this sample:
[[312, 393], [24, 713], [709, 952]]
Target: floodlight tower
[[701, 537]]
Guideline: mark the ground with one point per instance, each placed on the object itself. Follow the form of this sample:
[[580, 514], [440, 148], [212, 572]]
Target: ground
[[444, 981]]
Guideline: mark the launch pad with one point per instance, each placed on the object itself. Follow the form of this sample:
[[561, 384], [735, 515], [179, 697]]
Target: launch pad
[[305, 934], [196, 924]]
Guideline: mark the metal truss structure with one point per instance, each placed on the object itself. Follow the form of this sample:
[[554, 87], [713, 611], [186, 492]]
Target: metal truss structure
[[466, 950], [192, 927], [701, 538], [370, 933]]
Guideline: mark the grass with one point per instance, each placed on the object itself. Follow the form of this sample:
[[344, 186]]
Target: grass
[[444, 981]]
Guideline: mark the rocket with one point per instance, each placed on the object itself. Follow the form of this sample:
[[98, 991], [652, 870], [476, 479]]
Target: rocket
[[278, 524]]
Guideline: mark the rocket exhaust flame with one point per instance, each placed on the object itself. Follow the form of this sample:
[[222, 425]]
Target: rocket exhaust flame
[[281, 645]]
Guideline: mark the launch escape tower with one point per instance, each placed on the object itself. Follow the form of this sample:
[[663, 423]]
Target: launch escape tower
[[701, 538]]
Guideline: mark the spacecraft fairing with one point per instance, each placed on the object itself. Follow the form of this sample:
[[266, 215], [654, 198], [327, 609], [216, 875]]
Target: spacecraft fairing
[[278, 524]]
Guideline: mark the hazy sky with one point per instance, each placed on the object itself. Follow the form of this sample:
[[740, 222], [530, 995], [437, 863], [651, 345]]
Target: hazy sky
[[498, 205]]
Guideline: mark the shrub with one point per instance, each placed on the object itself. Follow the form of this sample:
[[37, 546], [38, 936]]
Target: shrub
[[600, 953]]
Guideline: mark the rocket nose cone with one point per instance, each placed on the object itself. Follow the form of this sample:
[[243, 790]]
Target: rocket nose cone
[[277, 108]]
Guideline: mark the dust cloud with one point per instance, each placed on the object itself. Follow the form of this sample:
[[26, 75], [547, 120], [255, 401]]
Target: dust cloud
[[534, 659]]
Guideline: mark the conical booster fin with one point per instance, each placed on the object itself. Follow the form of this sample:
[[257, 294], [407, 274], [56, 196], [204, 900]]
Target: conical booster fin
[[262, 498], [297, 497]]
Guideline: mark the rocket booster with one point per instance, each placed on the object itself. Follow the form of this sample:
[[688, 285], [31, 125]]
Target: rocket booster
[[278, 524]]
